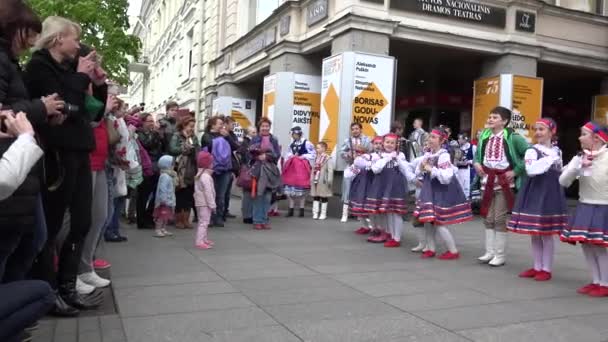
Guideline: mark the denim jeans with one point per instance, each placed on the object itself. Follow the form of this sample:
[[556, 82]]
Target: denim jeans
[[247, 204], [114, 226], [261, 205], [23, 303], [221, 182]]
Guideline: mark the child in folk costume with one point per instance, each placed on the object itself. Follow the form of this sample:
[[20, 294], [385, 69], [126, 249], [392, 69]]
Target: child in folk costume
[[378, 222], [296, 170], [541, 210], [442, 201], [464, 163], [387, 195], [417, 183], [499, 164], [352, 147], [321, 179], [589, 224], [164, 206], [204, 197], [360, 186]]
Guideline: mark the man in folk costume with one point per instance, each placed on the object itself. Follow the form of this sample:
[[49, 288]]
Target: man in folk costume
[[499, 162], [355, 145]]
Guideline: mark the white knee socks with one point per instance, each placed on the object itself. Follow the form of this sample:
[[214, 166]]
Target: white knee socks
[[396, 222], [537, 252], [592, 263], [429, 231], [448, 239], [543, 248], [302, 202]]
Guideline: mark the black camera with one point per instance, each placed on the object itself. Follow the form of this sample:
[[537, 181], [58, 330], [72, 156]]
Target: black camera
[[69, 109], [3, 127]]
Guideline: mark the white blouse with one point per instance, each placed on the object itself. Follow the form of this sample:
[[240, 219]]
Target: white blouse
[[537, 166]]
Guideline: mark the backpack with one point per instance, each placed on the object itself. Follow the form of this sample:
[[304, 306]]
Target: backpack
[[222, 154]]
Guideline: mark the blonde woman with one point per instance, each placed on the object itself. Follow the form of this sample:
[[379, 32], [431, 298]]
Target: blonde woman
[[67, 153]]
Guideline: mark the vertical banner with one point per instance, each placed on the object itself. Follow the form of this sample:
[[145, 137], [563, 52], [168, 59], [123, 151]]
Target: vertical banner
[[243, 113], [306, 105], [372, 106], [270, 88], [527, 97], [486, 96], [331, 87], [600, 109], [522, 94]]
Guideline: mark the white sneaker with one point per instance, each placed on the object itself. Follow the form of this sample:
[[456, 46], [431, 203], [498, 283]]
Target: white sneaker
[[93, 279], [82, 288], [419, 248]]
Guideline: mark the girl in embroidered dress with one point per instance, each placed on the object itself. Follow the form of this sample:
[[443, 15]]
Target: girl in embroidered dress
[[417, 183], [540, 209], [387, 195], [296, 170], [321, 180], [358, 192], [589, 224], [442, 201]]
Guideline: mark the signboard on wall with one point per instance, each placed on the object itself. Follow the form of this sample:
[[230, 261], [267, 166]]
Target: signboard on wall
[[522, 94], [600, 109], [525, 21], [241, 110], [356, 87], [291, 100], [468, 11]]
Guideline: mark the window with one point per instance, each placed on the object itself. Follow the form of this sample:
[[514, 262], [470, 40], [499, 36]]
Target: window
[[591, 6], [264, 9], [187, 70]]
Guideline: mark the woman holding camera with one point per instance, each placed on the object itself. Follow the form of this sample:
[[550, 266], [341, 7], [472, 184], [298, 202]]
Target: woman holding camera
[[68, 169]]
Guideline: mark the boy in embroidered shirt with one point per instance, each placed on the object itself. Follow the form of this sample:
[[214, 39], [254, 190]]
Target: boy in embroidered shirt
[[499, 161]]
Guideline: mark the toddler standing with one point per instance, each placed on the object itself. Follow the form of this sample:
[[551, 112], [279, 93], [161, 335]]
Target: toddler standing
[[164, 204], [204, 198]]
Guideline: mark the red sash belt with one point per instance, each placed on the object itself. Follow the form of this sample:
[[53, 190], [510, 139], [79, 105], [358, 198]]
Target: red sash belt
[[488, 193]]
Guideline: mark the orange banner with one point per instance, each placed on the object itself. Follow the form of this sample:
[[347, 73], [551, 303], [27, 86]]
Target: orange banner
[[600, 109], [486, 96], [527, 104]]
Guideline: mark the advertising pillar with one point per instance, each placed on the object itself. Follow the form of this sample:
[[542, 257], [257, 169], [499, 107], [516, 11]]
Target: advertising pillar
[[356, 87], [241, 110], [600, 109], [291, 100], [522, 94]]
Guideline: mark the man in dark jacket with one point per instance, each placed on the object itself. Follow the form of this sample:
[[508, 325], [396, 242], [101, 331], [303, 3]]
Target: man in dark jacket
[[233, 140], [168, 123]]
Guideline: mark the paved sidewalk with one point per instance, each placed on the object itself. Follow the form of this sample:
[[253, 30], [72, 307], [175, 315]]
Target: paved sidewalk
[[311, 280]]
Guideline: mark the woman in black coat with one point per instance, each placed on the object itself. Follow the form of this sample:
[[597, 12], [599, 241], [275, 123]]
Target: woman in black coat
[[67, 147], [21, 216]]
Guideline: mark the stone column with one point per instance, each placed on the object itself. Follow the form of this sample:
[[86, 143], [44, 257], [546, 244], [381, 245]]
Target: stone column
[[509, 64], [298, 63], [361, 41]]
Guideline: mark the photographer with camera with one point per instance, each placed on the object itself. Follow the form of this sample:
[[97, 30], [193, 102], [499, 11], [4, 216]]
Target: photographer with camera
[[67, 148]]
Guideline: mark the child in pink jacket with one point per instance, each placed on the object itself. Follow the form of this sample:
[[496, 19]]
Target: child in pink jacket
[[204, 198]]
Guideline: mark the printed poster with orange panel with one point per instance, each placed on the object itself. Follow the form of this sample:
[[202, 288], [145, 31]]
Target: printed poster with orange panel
[[600, 109], [486, 96]]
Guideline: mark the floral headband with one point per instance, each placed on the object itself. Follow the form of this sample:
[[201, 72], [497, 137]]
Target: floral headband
[[549, 123], [439, 133]]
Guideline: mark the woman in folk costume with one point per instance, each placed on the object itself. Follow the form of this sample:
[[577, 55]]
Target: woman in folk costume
[[464, 163], [360, 185], [442, 201], [321, 180], [540, 209], [589, 224], [296, 170], [387, 195], [355, 145]]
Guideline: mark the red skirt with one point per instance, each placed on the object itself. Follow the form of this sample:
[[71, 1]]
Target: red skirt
[[163, 213]]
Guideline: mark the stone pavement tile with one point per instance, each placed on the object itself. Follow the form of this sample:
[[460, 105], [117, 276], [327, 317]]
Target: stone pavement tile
[[303, 295], [194, 326], [363, 278], [264, 334], [170, 261], [402, 327], [65, 337], [190, 289], [181, 304], [573, 306], [397, 288], [282, 284], [216, 261], [66, 326], [265, 272], [112, 329], [329, 310], [520, 289], [90, 336], [169, 279], [438, 300], [356, 266], [479, 316], [555, 330], [45, 332]]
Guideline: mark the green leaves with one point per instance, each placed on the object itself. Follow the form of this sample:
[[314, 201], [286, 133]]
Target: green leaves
[[104, 26]]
